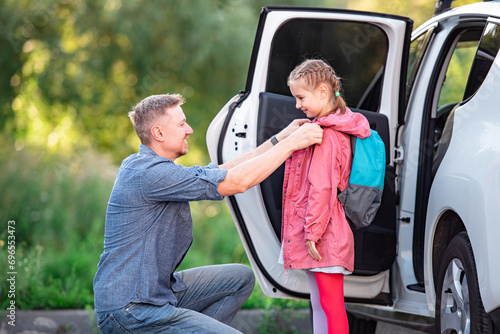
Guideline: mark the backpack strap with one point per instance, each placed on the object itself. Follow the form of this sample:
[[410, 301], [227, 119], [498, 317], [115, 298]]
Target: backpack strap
[[353, 144]]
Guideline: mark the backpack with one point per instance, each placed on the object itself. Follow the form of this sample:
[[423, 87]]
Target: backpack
[[363, 195]]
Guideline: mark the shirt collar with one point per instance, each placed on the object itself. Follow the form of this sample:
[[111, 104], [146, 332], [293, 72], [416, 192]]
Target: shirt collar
[[146, 150]]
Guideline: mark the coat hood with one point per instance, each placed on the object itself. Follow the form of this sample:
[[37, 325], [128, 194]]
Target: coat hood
[[352, 123]]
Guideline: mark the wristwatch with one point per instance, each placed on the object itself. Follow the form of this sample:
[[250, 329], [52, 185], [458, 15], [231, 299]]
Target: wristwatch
[[274, 140]]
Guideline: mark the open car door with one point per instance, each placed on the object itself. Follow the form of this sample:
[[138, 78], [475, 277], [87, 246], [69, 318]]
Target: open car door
[[369, 52]]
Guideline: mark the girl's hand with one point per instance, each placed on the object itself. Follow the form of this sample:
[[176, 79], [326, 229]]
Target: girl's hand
[[311, 248]]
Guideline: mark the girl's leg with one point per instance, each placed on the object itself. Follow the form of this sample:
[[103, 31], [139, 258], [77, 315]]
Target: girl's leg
[[331, 291], [320, 324]]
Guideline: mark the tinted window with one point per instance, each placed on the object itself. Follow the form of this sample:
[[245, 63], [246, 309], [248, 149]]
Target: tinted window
[[417, 52], [486, 52], [459, 68], [357, 51]]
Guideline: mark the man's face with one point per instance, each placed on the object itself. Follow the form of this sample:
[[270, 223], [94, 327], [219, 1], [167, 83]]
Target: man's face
[[176, 130]]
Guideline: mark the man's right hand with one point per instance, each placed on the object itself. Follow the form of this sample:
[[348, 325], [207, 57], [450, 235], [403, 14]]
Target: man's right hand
[[291, 128], [306, 135], [252, 169]]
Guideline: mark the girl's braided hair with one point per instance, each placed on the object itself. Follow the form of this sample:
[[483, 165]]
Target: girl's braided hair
[[315, 72]]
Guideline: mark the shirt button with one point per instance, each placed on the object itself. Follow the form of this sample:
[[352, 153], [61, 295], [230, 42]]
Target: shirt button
[[299, 165], [288, 240], [292, 203]]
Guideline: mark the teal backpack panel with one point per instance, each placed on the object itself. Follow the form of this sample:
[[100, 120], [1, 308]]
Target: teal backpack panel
[[363, 195], [368, 164]]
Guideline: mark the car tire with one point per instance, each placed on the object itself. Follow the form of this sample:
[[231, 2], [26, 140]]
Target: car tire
[[361, 326], [459, 308]]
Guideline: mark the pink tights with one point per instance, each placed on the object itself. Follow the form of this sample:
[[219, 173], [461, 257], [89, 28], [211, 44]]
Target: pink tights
[[327, 301]]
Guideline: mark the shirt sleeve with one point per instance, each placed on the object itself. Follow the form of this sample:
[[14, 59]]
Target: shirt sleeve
[[324, 175], [170, 182]]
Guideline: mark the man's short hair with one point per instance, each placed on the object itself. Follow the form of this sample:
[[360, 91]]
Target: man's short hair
[[148, 110]]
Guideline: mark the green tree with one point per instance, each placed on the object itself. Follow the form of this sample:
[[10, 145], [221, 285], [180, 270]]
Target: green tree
[[74, 68]]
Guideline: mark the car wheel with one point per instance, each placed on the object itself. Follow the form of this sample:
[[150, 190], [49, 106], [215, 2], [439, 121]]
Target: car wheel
[[459, 308]]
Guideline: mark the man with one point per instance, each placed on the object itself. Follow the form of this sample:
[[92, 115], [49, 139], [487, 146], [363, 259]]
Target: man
[[149, 227]]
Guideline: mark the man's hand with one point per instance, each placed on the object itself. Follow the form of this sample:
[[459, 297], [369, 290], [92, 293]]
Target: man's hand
[[311, 248], [306, 135], [294, 125], [255, 166]]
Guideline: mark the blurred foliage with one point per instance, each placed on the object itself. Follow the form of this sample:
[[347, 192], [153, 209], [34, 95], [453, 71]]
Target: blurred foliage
[[72, 69], [58, 206]]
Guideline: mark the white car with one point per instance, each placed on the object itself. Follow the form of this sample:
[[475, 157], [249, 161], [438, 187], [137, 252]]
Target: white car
[[431, 259]]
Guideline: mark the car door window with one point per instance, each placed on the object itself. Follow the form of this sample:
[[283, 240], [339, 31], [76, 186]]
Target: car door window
[[485, 55], [356, 50], [418, 48], [458, 70], [455, 81]]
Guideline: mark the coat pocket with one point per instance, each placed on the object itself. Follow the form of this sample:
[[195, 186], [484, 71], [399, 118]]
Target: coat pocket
[[301, 212]]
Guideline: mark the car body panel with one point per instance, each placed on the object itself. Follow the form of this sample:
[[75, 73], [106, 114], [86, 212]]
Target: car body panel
[[472, 175]]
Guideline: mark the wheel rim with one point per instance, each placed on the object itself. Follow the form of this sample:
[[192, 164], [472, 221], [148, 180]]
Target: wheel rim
[[455, 300]]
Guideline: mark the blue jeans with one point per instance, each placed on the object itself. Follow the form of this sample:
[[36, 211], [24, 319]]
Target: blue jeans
[[212, 299]]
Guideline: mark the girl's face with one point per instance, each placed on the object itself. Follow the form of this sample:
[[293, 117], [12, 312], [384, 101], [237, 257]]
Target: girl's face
[[313, 102]]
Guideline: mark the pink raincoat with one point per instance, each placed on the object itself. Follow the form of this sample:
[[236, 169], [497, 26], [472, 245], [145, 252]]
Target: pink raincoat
[[311, 210]]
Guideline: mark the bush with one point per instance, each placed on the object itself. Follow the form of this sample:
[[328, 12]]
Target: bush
[[58, 204]]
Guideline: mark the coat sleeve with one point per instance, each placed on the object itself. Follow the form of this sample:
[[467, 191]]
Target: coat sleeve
[[324, 176]]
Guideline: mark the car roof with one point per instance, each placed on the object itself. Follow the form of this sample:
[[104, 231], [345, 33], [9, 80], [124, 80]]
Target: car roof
[[480, 9]]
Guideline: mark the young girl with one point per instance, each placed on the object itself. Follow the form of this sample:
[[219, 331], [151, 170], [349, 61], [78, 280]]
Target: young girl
[[315, 233]]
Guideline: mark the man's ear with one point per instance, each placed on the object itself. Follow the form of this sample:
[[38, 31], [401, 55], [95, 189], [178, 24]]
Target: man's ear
[[157, 133]]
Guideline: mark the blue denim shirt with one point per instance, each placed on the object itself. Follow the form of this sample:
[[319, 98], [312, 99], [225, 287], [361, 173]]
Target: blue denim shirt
[[149, 229]]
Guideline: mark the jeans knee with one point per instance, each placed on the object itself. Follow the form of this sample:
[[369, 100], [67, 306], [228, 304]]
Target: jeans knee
[[250, 276], [246, 275]]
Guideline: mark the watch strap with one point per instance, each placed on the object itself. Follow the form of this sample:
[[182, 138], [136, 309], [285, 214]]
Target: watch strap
[[274, 140]]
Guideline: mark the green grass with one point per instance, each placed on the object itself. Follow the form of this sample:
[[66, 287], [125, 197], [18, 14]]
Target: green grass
[[59, 204]]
